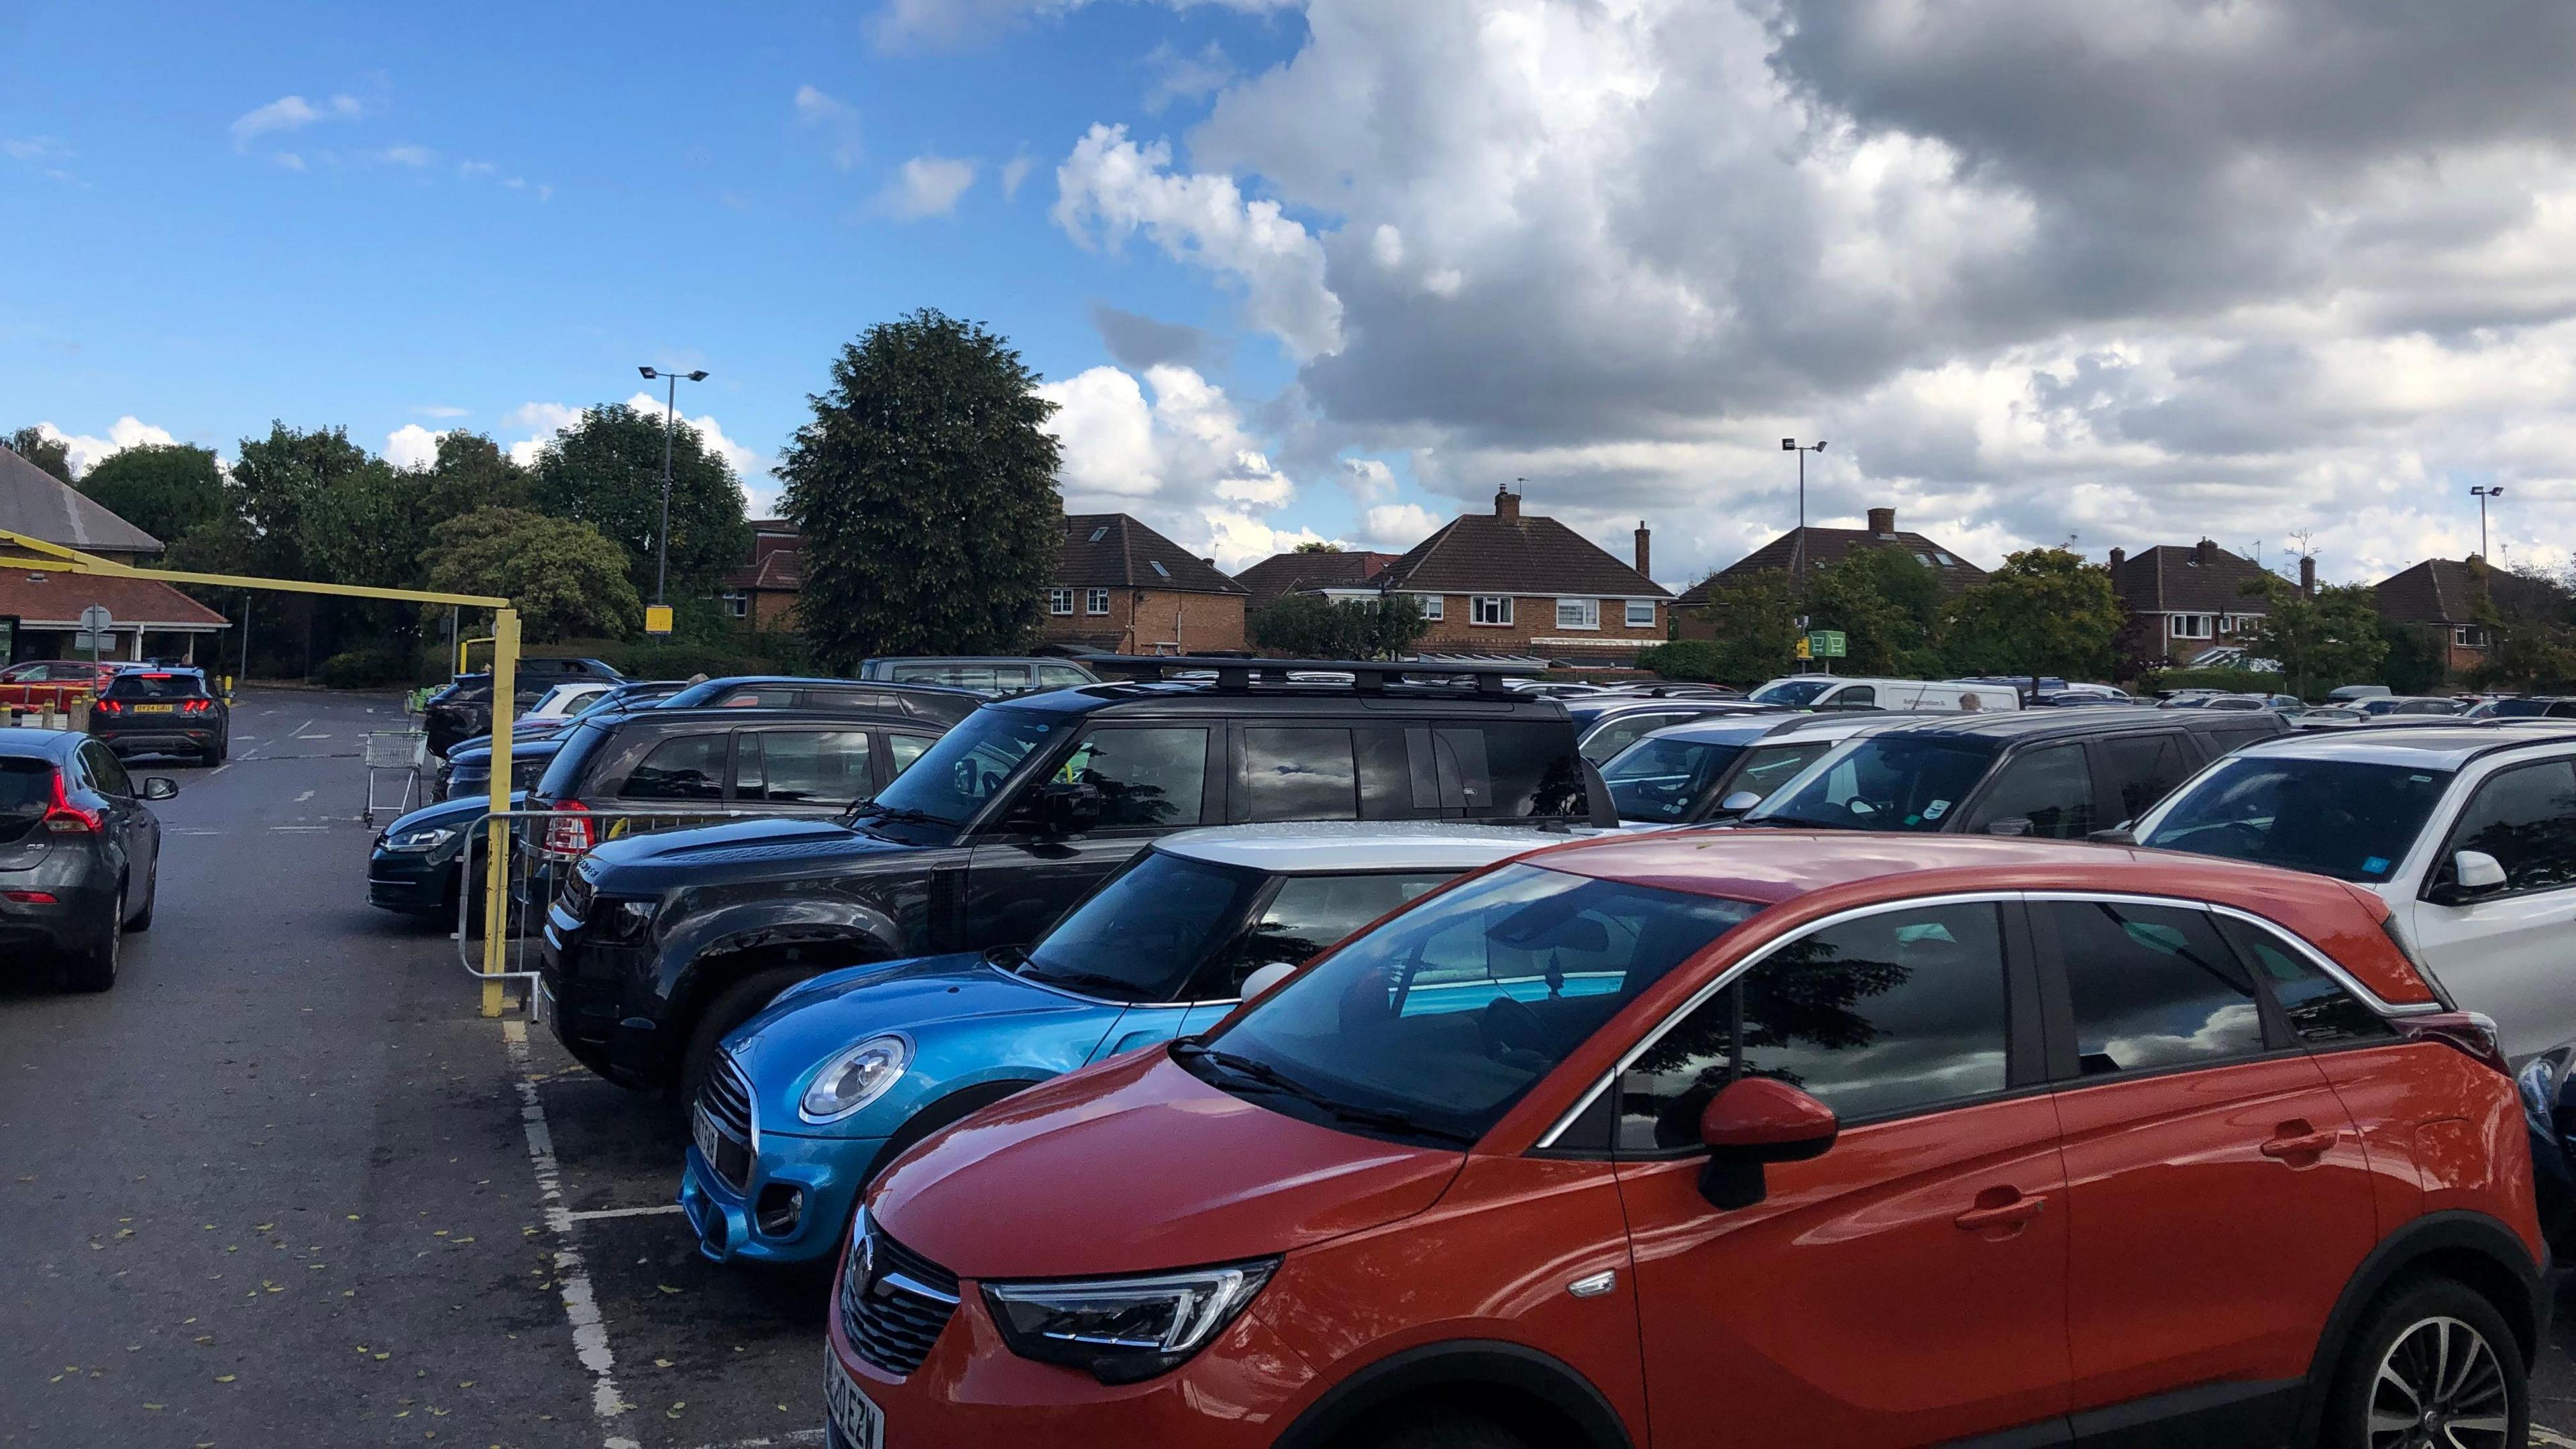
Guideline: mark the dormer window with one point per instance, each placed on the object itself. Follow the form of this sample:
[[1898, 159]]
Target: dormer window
[[1100, 533]]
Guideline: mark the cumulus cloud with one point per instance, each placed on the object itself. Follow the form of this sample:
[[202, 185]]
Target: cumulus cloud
[[403, 156], [1180, 76], [412, 446], [1181, 460], [836, 120], [927, 186], [2037, 270], [291, 113], [542, 420], [1015, 171], [84, 451], [1139, 342], [908, 23]]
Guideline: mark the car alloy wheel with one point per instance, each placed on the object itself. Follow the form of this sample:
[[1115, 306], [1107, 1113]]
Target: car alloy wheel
[[2440, 1386]]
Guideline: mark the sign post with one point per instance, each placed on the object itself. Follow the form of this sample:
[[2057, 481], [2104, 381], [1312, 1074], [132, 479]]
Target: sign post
[[95, 621], [657, 618], [1825, 644]]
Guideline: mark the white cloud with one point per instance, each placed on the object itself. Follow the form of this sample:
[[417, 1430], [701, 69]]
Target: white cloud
[[748, 464], [927, 186], [291, 113], [289, 160], [475, 170], [1368, 479], [544, 419], [1110, 188], [403, 156], [835, 119], [1185, 77], [412, 446], [902, 23], [1182, 461], [1397, 527], [439, 410], [1015, 171], [84, 451]]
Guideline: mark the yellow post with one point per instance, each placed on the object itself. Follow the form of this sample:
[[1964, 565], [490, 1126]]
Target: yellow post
[[496, 894]]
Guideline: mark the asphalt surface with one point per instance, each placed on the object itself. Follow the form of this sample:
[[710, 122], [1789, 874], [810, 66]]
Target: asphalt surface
[[285, 1186]]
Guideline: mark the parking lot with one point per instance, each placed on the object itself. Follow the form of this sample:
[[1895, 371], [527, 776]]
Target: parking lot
[[284, 1186]]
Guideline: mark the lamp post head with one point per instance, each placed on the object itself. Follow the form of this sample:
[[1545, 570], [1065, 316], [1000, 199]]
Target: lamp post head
[[648, 372], [698, 376], [1820, 445], [1788, 445]]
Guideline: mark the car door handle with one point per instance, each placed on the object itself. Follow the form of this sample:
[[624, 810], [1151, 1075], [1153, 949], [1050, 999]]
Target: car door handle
[[2297, 1139], [1999, 1207]]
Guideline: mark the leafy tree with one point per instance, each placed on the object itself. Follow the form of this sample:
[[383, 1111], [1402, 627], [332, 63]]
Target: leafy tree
[[1319, 545], [924, 488], [2044, 612], [1757, 633], [2530, 645], [2418, 659], [1310, 626], [165, 490], [1888, 604], [567, 580], [606, 471], [471, 473], [277, 483], [51, 454], [2320, 643]]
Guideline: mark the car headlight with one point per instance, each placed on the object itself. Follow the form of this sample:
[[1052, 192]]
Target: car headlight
[[430, 839], [1122, 1330], [624, 920], [855, 1078]]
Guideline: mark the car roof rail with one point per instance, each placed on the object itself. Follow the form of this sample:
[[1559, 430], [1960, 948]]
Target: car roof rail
[[1234, 674]]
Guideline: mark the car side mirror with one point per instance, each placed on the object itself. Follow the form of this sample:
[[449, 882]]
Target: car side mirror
[[2009, 825], [1265, 978], [2116, 835], [1066, 807], [1753, 1121], [159, 787], [2474, 873], [1739, 802]]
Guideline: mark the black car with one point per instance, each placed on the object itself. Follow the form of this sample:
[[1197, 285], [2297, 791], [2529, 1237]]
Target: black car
[[163, 712], [469, 767], [79, 854], [464, 708], [638, 695], [936, 704], [2060, 774], [679, 762], [658, 946]]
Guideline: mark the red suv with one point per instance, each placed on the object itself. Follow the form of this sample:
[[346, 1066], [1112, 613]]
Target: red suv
[[1755, 1138]]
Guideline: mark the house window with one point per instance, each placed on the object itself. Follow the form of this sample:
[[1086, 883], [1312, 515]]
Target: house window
[[1434, 606], [1578, 613], [1059, 601], [1641, 613], [1157, 566], [1490, 609], [1095, 602], [2189, 626], [2466, 636], [737, 603]]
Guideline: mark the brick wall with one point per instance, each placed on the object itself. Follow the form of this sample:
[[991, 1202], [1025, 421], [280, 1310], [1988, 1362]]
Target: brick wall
[[1147, 621], [1534, 618]]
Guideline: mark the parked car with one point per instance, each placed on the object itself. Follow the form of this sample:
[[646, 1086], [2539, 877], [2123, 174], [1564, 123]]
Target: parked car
[[2548, 1083], [1605, 724], [2345, 693], [2330, 717], [688, 763], [43, 683], [463, 710], [1716, 769], [469, 767], [844, 1072], [990, 674], [2060, 774], [2540, 706], [1833, 691], [80, 854], [2287, 704], [660, 946], [1632, 1141], [2467, 831], [937, 704], [163, 712], [616, 699], [2378, 705]]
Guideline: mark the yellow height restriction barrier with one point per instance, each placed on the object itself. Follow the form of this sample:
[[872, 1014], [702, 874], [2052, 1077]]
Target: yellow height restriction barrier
[[18, 551]]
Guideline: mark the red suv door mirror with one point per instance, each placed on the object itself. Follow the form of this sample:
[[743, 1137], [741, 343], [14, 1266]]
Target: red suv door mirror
[[1755, 1120]]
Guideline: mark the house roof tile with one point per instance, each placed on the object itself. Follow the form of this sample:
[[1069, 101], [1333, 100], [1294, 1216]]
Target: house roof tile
[[1829, 546], [1288, 573], [40, 505], [55, 600], [1115, 550], [1486, 553], [2182, 579]]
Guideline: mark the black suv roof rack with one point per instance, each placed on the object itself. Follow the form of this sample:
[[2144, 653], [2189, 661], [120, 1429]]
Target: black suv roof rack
[[1235, 674]]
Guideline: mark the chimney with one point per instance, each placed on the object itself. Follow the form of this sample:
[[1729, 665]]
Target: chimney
[[2307, 576], [1211, 563], [1507, 504], [1882, 521], [1645, 554], [2119, 556], [2205, 553]]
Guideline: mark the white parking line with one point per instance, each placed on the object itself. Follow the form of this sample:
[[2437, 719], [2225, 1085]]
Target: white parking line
[[2551, 1437], [307, 795], [792, 1436], [581, 1305], [593, 1215]]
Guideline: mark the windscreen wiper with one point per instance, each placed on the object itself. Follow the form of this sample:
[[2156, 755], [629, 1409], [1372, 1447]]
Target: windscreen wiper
[[1385, 1119], [897, 814]]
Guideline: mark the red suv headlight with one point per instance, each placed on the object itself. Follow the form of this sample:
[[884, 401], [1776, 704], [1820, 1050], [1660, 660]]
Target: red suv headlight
[[1124, 1329]]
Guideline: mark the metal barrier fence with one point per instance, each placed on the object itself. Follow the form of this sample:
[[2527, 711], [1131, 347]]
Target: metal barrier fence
[[543, 847]]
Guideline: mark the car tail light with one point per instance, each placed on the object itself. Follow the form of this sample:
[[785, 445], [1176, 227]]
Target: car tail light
[[2467, 1031], [196, 706], [65, 818], [567, 834], [109, 706], [30, 898]]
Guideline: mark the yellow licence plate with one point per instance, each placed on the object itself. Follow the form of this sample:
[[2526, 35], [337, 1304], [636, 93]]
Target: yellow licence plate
[[156, 709]]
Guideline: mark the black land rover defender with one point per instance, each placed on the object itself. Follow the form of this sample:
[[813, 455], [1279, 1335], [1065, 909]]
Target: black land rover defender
[[660, 944]]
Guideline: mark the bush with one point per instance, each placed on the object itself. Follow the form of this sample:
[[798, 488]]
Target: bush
[[675, 658], [1700, 661], [368, 669]]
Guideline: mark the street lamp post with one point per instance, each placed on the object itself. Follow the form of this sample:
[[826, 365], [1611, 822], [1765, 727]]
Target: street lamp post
[[670, 426], [1798, 552], [2482, 494]]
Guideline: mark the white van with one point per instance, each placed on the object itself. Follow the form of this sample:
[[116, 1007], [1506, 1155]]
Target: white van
[[1842, 691]]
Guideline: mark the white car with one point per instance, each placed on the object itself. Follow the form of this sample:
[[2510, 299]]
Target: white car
[[1715, 769], [1842, 691], [2467, 830]]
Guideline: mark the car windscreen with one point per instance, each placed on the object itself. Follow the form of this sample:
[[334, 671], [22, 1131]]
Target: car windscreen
[[26, 792], [971, 763], [1889, 782], [1663, 781], [1430, 1027], [2342, 818], [132, 685], [2517, 708], [563, 773], [1792, 693], [1141, 936]]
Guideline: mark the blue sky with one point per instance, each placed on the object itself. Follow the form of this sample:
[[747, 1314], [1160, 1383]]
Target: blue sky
[[1338, 268]]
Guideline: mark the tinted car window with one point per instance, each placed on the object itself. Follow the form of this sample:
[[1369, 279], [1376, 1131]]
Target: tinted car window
[[1891, 782], [1886, 1014], [803, 767], [959, 775], [1768, 767], [2052, 788], [2142, 769], [1665, 780], [904, 749], [1791, 692], [1858, 696], [1142, 935], [2526, 818], [1306, 914], [26, 792], [1509, 769], [1621, 731], [688, 767], [562, 776], [1300, 774], [1146, 777], [131, 685], [2320, 1011], [2332, 817], [2152, 987], [1061, 676], [1447, 1014], [2237, 737], [105, 770]]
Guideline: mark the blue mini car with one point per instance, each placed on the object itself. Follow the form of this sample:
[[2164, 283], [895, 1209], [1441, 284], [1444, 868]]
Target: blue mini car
[[842, 1073]]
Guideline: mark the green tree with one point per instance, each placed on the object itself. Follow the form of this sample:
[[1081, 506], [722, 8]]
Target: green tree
[[1888, 605], [471, 473], [606, 471], [1319, 545], [2531, 646], [278, 482], [2045, 611], [924, 488], [1310, 626], [51, 454], [2321, 643], [165, 490], [567, 580], [2418, 658], [1756, 633]]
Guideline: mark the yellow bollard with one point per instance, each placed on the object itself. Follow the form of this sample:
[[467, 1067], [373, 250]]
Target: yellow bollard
[[496, 895]]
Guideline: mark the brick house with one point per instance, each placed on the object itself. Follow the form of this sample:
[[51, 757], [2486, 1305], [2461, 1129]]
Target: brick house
[[1822, 548], [40, 610], [2442, 595], [1120, 586], [1506, 582], [1341, 575], [762, 593], [2184, 602]]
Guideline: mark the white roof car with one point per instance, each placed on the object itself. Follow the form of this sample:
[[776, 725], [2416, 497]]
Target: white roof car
[[1843, 691], [1718, 768], [567, 698], [2467, 830]]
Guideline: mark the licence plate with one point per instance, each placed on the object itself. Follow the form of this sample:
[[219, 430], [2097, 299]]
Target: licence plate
[[156, 709], [855, 1417], [702, 1130]]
